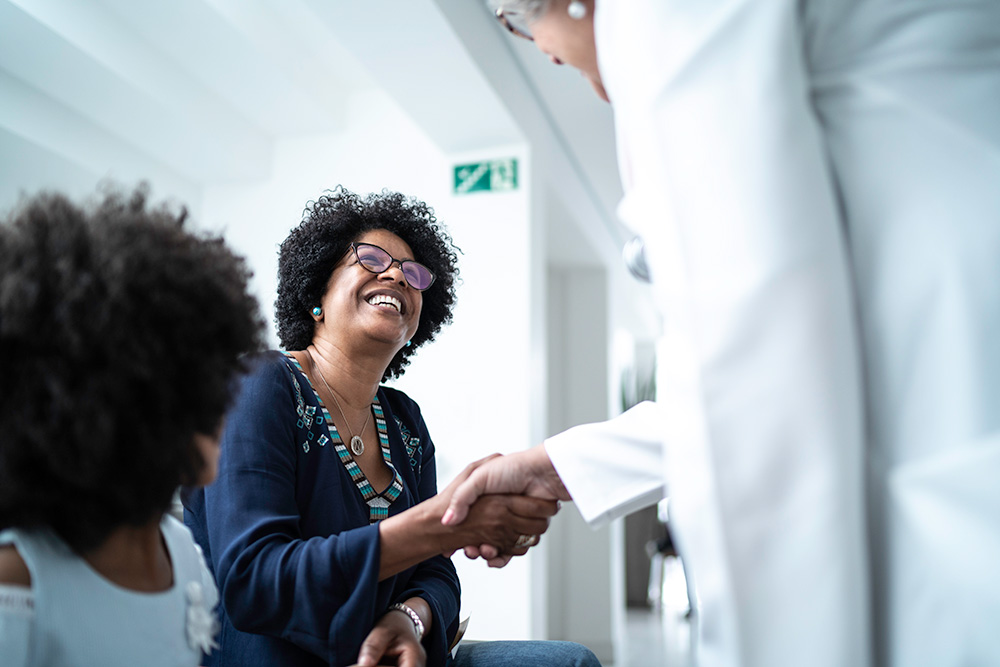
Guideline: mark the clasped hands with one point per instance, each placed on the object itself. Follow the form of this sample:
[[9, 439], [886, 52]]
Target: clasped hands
[[495, 509], [500, 505]]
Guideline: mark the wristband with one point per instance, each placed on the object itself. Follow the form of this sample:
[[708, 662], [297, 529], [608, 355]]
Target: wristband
[[418, 625]]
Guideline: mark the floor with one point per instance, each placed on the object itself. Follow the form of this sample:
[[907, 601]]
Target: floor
[[662, 637], [657, 639]]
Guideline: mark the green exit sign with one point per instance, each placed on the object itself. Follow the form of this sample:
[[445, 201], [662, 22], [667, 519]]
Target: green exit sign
[[491, 175]]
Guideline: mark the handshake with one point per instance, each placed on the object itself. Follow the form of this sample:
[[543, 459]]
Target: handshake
[[495, 509], [499, 506]]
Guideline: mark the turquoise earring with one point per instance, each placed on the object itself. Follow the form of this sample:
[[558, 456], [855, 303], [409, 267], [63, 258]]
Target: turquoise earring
[[409, 343], [317, 311]]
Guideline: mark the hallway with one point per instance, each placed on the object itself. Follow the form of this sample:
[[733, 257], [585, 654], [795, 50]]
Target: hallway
[[661, 638]]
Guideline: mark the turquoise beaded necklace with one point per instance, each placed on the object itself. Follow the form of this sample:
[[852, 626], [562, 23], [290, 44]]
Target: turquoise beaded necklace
[[378, 503]]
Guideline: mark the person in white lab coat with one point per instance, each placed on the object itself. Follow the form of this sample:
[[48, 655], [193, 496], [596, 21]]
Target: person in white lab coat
[[818, 187]]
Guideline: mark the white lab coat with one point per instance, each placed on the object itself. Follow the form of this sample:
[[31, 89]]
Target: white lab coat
[[818, 185]]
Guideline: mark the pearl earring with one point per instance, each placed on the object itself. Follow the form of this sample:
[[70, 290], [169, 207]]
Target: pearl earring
[[317, 311], [577, 10]]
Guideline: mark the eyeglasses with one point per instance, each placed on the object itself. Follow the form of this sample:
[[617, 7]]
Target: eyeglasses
[[514, 22], [377, 260]]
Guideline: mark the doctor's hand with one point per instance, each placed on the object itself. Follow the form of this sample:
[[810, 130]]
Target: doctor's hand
[[526, 473], [497, 524]]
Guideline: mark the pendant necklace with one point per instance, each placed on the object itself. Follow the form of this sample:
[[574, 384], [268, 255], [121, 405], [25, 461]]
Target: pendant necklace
[[357, 444]]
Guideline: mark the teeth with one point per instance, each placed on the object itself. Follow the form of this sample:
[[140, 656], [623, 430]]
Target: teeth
[[386, 300]]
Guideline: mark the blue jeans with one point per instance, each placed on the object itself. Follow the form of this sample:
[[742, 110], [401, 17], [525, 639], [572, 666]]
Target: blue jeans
[[524, 654]]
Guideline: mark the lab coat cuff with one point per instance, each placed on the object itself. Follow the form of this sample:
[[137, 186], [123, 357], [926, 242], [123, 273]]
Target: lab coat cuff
[[611, 468]]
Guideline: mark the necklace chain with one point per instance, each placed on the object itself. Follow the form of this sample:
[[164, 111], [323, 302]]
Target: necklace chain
[[357, 444]]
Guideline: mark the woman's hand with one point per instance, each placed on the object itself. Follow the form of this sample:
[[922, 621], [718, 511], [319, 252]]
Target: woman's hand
[[529, 472], [500, 520], [393, 637], [498, 554], [494, 523]]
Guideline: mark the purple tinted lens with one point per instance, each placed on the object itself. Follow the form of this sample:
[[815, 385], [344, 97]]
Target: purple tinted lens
[[377, 260], [418, 276], [373, 258]]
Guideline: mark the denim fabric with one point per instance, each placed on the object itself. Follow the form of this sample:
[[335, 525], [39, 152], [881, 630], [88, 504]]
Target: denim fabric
[[524, 654]]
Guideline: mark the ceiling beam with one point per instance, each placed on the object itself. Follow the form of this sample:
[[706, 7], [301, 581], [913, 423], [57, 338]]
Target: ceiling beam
[[92, 63]]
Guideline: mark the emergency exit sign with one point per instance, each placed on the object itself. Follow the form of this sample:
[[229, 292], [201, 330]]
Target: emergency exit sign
[[491, 175]]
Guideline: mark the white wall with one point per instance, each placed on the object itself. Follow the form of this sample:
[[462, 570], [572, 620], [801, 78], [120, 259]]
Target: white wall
[[584, 566], [478, 384]]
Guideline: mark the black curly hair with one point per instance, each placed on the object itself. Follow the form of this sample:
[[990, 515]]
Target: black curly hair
[[121, 337], [329, 225]]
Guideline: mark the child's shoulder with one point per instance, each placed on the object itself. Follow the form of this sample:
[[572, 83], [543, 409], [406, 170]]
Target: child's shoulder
[[189, 562], [13, 569]]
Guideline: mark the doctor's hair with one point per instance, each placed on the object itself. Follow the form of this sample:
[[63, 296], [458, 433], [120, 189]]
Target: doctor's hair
[[121, 337], [529, 9], [329, 225]]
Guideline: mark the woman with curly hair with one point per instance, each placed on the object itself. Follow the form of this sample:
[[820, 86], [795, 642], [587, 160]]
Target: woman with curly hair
[[120, 337], [323, 530]]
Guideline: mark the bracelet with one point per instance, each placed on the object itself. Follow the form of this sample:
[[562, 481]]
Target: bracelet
[[418, 625]]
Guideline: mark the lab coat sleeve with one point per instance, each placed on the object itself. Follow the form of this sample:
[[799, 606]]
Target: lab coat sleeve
[[611, 468], [726, 178]]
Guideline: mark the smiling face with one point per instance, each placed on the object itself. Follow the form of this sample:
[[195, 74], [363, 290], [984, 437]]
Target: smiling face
[[570, 41], [363, 306]]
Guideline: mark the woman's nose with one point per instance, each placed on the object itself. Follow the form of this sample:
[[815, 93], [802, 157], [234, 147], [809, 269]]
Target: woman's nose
[[394, 272]]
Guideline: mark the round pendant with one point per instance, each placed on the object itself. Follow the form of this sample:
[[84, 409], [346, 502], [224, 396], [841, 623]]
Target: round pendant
[[357, 445]]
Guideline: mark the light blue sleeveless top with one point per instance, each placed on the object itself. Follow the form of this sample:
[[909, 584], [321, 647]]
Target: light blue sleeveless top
[[74, 616]]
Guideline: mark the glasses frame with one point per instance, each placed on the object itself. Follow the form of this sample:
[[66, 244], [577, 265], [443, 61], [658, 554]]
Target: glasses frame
[[392, 260], [505, 22]]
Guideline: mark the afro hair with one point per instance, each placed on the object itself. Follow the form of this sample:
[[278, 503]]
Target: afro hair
[[121, 337], [329, 226]]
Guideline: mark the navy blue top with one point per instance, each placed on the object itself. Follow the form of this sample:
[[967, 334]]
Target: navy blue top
[[285, 531]]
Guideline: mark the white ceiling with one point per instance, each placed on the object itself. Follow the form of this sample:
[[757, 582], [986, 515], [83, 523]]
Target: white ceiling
[[202, 89]]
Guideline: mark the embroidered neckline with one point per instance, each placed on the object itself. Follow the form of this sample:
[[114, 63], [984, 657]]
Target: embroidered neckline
[[378, 503]]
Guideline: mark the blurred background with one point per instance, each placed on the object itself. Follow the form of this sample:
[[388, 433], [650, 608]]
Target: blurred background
[[244, 110]]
